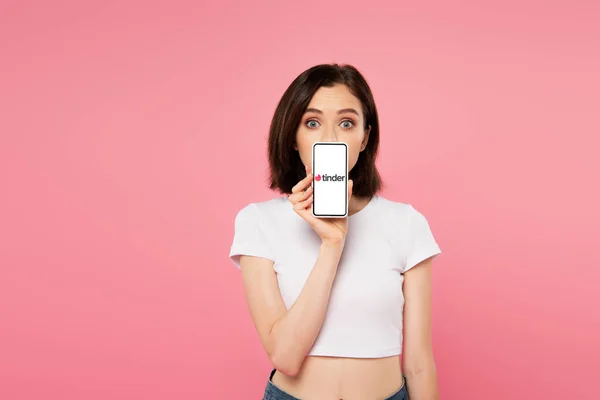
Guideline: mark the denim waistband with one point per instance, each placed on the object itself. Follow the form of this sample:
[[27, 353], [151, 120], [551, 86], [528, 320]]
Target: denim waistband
[[272, 392]]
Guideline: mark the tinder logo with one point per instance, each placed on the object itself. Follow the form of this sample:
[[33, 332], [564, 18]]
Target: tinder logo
[[330, 178]]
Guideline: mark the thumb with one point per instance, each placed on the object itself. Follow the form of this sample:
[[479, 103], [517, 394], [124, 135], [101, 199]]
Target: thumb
[[350, 187]]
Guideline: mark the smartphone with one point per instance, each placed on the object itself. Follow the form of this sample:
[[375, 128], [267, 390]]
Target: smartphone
[[330, 179]]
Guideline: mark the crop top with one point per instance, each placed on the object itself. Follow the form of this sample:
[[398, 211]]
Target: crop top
[[364, 315]]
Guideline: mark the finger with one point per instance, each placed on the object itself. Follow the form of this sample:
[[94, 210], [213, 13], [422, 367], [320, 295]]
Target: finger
[[303, 205], [301, 196], [350, 187], [300, 186]]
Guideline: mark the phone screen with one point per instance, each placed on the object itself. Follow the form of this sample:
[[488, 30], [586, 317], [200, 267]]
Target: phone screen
[[330, 179]]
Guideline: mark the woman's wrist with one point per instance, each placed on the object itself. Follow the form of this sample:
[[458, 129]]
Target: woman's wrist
[[332, 246]]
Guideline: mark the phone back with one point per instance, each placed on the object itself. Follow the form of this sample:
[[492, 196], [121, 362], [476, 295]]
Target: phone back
[[330, 179]]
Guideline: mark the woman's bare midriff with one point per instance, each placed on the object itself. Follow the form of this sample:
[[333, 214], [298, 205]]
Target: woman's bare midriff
[[334, 378]]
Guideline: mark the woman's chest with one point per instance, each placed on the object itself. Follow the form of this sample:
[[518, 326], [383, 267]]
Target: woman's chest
[[369, 268]]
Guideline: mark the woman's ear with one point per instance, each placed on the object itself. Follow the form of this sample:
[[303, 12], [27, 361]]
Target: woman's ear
[[366, 139]]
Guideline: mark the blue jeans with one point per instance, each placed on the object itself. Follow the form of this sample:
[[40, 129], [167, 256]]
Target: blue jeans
[[272, 392]]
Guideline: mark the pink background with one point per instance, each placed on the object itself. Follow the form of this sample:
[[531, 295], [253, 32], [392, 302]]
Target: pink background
[[131, 134]]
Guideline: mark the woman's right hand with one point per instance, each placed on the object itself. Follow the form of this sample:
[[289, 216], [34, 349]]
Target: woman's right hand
[[331, 230]]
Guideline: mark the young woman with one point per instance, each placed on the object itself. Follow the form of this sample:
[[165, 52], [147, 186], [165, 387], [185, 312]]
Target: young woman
[[336, 301]]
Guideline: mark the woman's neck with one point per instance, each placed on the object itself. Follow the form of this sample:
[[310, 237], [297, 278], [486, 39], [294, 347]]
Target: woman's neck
[[357, 204]]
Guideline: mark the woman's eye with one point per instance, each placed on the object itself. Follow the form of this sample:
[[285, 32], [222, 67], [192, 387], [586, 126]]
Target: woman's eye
[[313, 124], [311, 121]]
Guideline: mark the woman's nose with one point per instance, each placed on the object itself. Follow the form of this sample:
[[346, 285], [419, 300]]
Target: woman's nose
[[329, 135]]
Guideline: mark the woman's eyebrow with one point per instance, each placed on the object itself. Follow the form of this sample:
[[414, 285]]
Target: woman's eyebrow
[[344, 110]]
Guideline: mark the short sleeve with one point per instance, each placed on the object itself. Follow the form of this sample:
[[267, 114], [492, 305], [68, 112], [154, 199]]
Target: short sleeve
[[249, 237], [420, 242]]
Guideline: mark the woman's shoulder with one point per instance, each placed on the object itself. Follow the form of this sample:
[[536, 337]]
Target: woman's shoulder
[[404, 215], [260, 207], [396, 208], [410, 225], [266, 204]]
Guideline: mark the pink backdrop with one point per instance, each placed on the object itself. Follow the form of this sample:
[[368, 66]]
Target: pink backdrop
[[132, 133]]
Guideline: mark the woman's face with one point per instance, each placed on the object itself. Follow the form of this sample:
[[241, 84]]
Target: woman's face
[[333, 115]]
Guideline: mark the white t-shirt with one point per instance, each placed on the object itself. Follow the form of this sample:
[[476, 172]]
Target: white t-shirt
[[384, 240]]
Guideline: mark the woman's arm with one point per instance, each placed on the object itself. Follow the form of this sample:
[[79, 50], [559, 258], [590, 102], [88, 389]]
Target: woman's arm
[[288, 335], [418, 362]]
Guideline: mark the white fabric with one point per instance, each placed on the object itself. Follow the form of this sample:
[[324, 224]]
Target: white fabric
[[384, 240]]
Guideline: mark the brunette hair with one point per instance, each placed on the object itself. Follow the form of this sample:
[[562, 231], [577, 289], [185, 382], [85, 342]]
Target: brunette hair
[[285, 165]]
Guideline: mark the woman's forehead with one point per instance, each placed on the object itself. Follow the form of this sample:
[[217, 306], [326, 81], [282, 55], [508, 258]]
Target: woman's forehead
[[334, 100]]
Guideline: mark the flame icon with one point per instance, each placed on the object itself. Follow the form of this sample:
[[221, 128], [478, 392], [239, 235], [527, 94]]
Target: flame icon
[[318, 178]]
